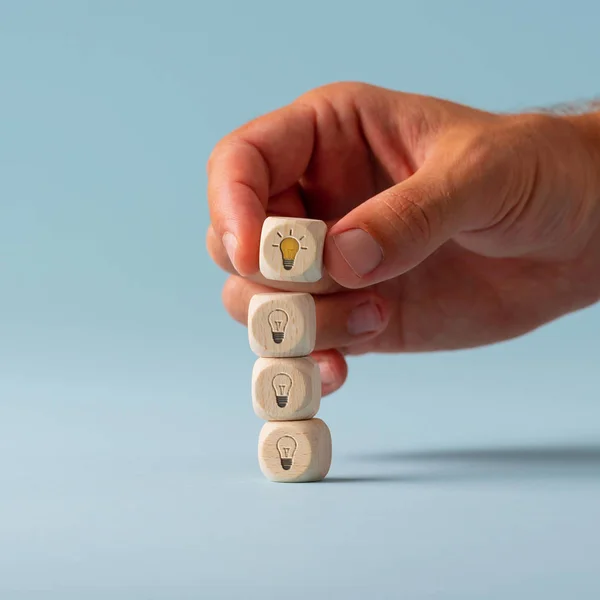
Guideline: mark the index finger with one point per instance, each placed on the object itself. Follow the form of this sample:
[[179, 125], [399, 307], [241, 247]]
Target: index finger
[[259, 160]]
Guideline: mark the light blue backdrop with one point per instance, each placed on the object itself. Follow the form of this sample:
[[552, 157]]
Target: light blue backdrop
[[127, 439]]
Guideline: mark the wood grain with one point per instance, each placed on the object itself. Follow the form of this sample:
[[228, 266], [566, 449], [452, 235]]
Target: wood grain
[[292, 249], [295, 451], [286, 389], [282, 324]]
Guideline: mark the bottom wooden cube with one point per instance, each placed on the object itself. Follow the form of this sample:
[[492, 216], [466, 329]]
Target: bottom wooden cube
[[295, 451]]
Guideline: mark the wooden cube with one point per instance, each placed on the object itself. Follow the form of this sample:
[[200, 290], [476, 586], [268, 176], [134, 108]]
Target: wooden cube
[[283, 324], [292, 249], [286, 389], [295, 451]]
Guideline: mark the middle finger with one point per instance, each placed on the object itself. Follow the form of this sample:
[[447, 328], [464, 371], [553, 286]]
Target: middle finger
[[343, 319]]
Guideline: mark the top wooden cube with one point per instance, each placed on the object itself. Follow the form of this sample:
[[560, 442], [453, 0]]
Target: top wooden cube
[[292, 249]]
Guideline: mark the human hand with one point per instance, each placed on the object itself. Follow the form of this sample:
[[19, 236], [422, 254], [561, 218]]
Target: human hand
[[449, 227]]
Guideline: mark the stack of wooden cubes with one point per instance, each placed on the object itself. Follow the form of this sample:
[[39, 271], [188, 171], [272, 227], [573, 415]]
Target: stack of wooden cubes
[[286, 383]]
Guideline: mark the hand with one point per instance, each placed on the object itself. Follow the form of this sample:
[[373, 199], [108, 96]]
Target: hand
[[449, 227]]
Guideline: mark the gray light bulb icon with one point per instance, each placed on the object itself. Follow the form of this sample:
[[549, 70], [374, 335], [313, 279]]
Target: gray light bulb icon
[[278, 321], [286, 446], [282, 384]]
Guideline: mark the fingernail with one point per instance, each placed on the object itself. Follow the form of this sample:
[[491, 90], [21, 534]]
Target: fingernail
[[366, 318], [230, 243], [359, 250], [327, 374]]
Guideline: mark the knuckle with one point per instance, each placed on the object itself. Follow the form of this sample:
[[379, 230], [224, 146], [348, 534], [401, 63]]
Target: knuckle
[[468, 148], [214, 155], [222, 149], [332, 92], [477, 150]]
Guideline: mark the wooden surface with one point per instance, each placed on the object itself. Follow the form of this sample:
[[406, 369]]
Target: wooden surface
[[282, 324], [286, 389], [295, 451], [292, 249]]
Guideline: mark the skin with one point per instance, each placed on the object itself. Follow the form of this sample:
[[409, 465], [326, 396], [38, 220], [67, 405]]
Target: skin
[[487, 226]]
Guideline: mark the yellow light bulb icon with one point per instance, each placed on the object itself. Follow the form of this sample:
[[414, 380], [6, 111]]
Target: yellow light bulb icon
[[286, 446], [289, 247]]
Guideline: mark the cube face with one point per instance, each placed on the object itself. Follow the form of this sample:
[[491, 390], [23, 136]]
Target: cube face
[[292, 249], [282, 325], [295, 451], [286, 389]]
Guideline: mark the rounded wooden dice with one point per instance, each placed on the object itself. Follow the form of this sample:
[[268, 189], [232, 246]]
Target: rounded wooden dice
[[286, 389], [295, 451], [292, 249], [281, 325]]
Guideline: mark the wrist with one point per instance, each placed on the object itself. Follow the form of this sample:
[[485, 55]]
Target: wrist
[[588, 131], [587, 127]]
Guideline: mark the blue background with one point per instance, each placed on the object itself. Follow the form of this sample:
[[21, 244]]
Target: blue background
[[127, 439]]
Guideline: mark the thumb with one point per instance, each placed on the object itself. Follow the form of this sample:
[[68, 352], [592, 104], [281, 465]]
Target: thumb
[[395, 230]]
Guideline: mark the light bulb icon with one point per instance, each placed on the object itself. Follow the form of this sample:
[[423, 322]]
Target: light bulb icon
[[289, 248], [282, 384], [278, 321], [286, 446]]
